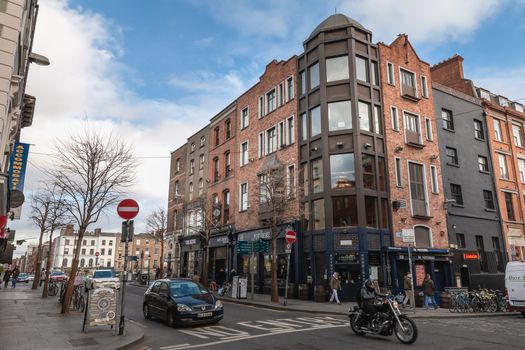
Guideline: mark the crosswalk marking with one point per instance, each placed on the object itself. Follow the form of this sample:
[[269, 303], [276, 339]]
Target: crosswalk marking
[[214, 331]]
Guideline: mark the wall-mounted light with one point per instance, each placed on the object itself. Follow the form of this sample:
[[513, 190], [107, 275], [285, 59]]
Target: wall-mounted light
[[367, 145], [433, 157], [340, 144], [454, 226]]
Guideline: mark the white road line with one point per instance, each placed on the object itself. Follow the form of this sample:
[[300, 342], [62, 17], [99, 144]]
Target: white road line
[[187, 346], [256, 307], [137, 323]]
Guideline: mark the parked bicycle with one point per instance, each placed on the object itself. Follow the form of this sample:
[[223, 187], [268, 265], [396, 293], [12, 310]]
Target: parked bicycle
[[53, 288], [482, 300], [79, 302]]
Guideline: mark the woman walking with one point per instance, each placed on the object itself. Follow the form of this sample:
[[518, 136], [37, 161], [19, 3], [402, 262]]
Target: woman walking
[[335, 285]]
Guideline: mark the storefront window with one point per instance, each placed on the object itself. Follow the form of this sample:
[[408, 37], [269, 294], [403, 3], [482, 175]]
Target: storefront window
[[342, 171], [318, 214], [344, 210], [371, 211], [317, 175]]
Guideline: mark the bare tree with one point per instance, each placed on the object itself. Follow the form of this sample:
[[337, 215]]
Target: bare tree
[[157, 224], [272, 207], [92, 170], [40, 211]]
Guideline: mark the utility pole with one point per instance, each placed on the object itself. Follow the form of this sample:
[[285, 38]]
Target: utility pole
[[127, 233]]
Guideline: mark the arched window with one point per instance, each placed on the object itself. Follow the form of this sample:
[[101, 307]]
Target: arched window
[[191, 191], [201, 187], [423, 237], [82, 262], [90, 262], [177, 188], [64, 262], [226, 206]]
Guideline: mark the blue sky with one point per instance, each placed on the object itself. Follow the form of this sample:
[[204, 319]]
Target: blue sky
[[153, 72]]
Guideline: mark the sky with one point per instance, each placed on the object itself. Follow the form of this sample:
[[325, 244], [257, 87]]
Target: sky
[[154, 72]]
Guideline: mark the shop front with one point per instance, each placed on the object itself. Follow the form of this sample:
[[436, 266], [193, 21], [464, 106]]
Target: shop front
[[219, 248], [433, 261], [191, 259]]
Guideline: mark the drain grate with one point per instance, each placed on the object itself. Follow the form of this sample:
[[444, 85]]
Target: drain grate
[[83, 342]]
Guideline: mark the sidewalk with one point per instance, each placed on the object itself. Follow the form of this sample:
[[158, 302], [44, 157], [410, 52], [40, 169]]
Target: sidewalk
[[263, 300], [28, 321]]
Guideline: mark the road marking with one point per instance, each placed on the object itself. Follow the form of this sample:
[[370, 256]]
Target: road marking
[[188, 346], [214, 331], [255, 307]]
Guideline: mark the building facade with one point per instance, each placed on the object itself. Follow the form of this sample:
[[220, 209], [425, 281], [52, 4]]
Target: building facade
[[146, 249], [418, 203], [474, 223]]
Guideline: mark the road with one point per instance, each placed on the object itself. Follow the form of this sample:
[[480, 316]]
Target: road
[[247, 328]]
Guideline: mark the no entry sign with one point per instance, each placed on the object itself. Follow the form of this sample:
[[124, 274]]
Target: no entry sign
[[128, 209], [290, 237]]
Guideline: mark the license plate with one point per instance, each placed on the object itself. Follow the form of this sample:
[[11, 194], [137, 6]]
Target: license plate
[[205, 314]]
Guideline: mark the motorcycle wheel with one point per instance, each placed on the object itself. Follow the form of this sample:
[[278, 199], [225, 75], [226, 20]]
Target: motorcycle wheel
[[354, 327], [409, 335]]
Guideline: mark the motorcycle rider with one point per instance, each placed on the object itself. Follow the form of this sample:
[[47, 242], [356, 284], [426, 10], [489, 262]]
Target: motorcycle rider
[[368, 299]]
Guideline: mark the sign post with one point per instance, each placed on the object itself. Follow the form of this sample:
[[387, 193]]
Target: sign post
[[408, 236], [252, 272], [290, 239], [127, 209]]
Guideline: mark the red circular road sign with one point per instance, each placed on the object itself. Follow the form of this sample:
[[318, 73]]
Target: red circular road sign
[[290, 237], [97, 254], [128, 209]]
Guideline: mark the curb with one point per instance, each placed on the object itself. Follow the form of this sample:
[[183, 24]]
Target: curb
[[411, 315], [132, 336]]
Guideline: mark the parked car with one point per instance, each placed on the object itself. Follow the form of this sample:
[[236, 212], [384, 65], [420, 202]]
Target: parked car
[[31, 278], [103, 278], [515, 285], [181, 302], [23, 277], [58, 276]]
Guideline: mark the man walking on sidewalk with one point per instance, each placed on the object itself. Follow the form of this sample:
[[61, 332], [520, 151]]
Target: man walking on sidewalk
[[408, 290], [428, 291], [7, 275], [15, 276], [335, 285]]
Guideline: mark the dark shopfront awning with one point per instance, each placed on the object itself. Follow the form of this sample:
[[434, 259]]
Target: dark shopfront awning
[[421, 253]]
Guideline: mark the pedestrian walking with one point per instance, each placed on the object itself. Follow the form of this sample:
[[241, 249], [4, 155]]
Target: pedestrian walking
[[428, 292], [16, 272], [7, 275], [335, 285], [409, 295], [232, 274], [221, 277], [157, 273]]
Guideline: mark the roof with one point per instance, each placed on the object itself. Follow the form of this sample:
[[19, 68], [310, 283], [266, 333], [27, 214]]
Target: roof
[[335, 21]]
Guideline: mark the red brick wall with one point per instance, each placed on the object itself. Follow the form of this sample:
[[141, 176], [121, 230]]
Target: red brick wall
[[176, 204], [275, 73], [401, 54], [450, 73]]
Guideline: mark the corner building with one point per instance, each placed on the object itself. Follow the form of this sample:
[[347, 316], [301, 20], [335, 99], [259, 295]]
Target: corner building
[[418, 202], [342, 154]]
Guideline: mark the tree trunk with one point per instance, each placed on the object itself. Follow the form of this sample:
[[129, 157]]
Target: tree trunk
[[38, 264], [162, 258], [48, 267], [275, 287], [72, 274]]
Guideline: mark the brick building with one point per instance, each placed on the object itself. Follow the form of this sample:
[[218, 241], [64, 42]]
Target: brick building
[[147, 250], [413, 164]]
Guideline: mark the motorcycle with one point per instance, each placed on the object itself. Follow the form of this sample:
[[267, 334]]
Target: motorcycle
[[387, 321]]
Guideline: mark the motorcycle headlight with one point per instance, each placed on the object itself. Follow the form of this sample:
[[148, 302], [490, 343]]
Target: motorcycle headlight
[[395, 304], [182, 307], [218, 304]]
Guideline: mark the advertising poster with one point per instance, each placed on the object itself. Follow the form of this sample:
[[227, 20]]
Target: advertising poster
[[102, 307], [420, 274]]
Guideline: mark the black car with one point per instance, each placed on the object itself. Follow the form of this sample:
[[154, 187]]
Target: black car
[[181, 302]]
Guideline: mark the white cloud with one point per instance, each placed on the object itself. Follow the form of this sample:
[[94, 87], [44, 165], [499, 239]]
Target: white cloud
[[432, 22], [85, 83], [501, 81]]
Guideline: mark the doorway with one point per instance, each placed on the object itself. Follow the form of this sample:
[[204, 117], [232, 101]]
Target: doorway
[[350, 280]]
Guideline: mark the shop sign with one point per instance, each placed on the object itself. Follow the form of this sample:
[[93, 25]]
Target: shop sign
[[218, 241], [408, 235], [470, 256], [346, 258], [345, 242], [190, 241], [262, 234], [102, 307]]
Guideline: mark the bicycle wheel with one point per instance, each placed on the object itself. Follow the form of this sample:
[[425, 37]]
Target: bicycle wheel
[[82, 303]]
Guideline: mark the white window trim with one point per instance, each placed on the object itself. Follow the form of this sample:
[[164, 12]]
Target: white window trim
[[281, 134], [521, 173], [266, 111], [247, 151], [262, 150], [276, 126], [261, 100], [500, 139], [424, 86], [288, 192], [240, 197], [394, 108], [428, 129], [247, 108], [286, 92], [425, 185], [400, 80], [290, 137], [419, 123], [506, 166], [397, 160], [393, 82], [281, 94], [434, 177]]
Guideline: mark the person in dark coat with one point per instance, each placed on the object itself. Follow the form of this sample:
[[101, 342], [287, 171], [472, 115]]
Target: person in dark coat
[[16, 272], [221, 277], [7, 276], [232, 274], [428, 292]]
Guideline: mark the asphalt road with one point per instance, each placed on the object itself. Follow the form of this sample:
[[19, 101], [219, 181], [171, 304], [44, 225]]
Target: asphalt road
[[247, 328]]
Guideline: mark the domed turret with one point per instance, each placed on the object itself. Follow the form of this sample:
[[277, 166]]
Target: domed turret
[[335, 21]]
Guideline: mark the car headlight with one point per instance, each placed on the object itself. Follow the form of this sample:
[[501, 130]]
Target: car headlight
[[182, 307], [218, 304]]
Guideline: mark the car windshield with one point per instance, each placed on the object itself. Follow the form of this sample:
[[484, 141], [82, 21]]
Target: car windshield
[[184, 288], [103, 274]]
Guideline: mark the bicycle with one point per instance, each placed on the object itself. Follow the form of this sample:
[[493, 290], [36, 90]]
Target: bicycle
[[79, 302], [53, 288], [225, 289]]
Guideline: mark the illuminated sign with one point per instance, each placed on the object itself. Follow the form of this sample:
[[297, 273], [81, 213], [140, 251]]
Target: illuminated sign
[[470, 256]]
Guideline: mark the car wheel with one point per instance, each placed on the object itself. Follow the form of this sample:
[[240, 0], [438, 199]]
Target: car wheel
[[145, 310], [171, 319]]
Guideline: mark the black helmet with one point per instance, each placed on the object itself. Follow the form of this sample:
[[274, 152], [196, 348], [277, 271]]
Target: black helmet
[[369, 284]]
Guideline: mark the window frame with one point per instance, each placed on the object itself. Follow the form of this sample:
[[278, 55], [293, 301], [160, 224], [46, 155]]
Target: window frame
[[498, 133], [424, 86], [428, 129], [398, 165], [483, 166], [290, 96], [394, 116], [434, 180], [390, 73], [503, 168], [241, 199], [448, 124], [485, 200], [454, 159], [455, 195], [244, 124], [242, 160], [480, 131]]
